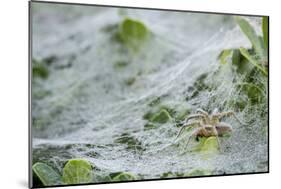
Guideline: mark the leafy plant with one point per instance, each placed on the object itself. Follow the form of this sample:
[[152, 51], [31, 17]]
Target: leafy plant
[[257, 56], [252, 63], [123, 176], [46, 174], [252, 60], [39, 69], [198, 172], [131, 142], [162, 117], [265, 28], [207, 144], [77, 171], [252, 36], [133, 32]]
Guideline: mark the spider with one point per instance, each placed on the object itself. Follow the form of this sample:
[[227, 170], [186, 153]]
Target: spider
[[209, 125]]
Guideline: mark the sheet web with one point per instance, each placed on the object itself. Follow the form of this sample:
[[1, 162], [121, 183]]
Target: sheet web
[[92, 112]]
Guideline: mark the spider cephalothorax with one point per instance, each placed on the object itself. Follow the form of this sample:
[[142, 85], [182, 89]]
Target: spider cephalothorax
[[208, 124]]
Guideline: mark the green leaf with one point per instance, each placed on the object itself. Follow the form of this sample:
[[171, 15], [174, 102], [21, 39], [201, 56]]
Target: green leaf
[[39, 69], [265, 30], [123, 176], [77, 171], [252, 36], [236, 57], [207, 145], [252, 60], [198, 172], [253, 91], [224, 55], [210, 144], [133, 32], [149, 126], [132, 142], [162, 117], [46, 174], [168, 175]]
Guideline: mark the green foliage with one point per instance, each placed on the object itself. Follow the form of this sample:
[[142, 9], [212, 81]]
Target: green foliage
[[236, 57], [256, 56], [252, 36], [148, 115], [168, 175], [198, 172], [131, 142], [149, 126], [156, 118], [133, 32], [161, 114], [252, 60], [210, 144], [207, 144], [162, 117], [251, 63], [123, 176], [39, 69], [171, 175], [265, 28], [46, 174], [181, 115], [155, 101], [77, 171], [225, 55], [198, 86], [253, 91]]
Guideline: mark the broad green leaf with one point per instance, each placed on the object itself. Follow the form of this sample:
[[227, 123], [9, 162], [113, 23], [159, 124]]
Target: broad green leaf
[[77, 171], [225, 54], [236, 57], [207, 145], [46, 174], [265, 30], [123, 176], [162, 117], [133, 32], [210, 144], [252, 36], [252, 60], [262, 45]]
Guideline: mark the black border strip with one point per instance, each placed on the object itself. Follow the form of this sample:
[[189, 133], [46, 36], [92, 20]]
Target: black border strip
[[144, 8], [30, 175]]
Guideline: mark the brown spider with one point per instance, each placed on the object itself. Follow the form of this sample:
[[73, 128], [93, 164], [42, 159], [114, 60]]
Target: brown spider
[[209, 125]]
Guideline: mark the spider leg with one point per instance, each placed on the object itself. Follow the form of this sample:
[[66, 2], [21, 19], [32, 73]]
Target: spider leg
[[199, 110], [227, 114], [190, 124], [206, 115], [215, 132], [193, 116], [194, 134]]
